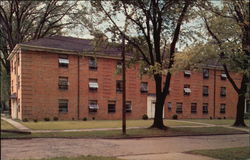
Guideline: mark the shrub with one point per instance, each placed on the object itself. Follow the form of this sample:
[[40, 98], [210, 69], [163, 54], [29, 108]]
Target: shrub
[[55, 118], [175, 116], [247, 116], [25, 120], [85, 119], [35, 120], [210, 117], [219, 118], [145, 117], [46, 119], [93, 118]]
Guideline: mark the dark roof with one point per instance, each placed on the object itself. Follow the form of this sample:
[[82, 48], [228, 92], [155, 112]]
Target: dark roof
[[77, 45]]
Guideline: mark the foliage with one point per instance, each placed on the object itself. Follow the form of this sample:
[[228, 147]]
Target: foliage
[[145, 117]]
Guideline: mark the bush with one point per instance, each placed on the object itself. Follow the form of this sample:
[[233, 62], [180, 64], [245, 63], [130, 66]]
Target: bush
[[35, 120], [25, 120], [55, 118], [46, 119], [93, 118], [246, 115], [145, 117], [219, 118], [175, 116], [85, 119]]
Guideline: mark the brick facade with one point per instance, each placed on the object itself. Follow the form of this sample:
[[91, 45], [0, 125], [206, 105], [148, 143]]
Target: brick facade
[[36, 93]]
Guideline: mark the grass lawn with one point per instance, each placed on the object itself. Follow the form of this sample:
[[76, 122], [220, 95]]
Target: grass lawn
[[59, 125], [241, 153], [6, 126], [130, 133], [79, 158], [216, 121]]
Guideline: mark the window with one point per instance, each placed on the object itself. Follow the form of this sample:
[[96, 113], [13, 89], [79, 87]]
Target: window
[[92, 63], [12, 87], [193, 107], [119, 86], [178, 107], [111, 106], [63, 61], [223, 91], [18, 82], [128, 107], [18, 59], [187, 73], [205, 108], [63, 105], [187, 90], [144, 87], [205, 73], [93, 106], [63, 83], [119, 65], [222, 108], [11, 65], [223, 76], [93, 85], [169, 106], [205, 90]]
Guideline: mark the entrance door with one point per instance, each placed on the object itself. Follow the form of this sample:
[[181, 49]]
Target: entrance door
[[151, 109]]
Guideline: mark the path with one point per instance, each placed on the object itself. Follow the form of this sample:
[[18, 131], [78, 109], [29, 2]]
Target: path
[[134, 149]]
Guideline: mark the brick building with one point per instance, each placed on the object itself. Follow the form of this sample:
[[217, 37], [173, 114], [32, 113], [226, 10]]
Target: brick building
[[68, 78]]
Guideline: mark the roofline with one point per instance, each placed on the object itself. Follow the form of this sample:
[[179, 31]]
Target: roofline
[[62, 51]]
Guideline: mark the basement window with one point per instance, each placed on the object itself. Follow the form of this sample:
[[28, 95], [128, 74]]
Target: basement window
[[111, 106], [93, 84], [63, 61], [63, 83], [187, 73], [93, 106], [63, 105], [187, 90], [128, 106]]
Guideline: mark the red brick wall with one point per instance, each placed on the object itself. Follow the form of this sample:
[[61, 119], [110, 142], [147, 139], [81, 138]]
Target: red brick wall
[[40, 93]]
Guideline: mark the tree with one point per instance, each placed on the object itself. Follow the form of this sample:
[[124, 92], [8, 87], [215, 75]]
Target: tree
[[228, 31], [155, 24], [21, 21]]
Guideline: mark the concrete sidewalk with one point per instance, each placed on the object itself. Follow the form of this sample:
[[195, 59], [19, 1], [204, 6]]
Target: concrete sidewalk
[[17, 125]]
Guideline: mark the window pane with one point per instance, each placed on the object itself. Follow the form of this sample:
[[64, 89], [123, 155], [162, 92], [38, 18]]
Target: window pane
[[205, 108], [119, 86], [205, 90], [169, 106], [63, 83], [205, 73], [92, 63], [178, 107], [128, 106], [111, 106], [144, 87], [63, 105], [193, 107]]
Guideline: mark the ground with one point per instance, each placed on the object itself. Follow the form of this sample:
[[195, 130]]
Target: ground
[[134, 149]]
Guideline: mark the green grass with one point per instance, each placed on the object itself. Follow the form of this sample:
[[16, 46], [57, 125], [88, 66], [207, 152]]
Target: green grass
[[60, 125], [130, 133], [79, 158], [6, 126], [217, 121], [241, 153]]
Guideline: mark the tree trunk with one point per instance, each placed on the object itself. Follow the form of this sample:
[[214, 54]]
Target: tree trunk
[[160, 99], [239, 121], [158, 119]]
